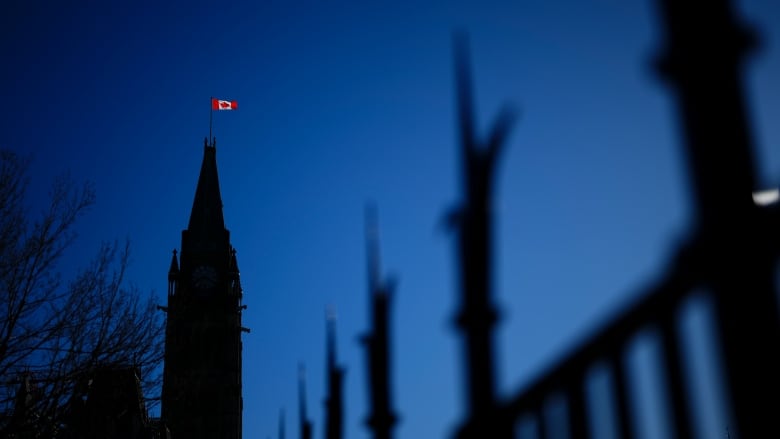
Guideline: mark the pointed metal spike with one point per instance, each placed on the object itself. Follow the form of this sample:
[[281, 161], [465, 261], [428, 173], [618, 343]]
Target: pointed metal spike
[[463, 90], [372, 248]]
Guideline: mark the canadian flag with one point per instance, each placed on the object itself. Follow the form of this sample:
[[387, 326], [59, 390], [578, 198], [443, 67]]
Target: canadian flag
[[219, 104]]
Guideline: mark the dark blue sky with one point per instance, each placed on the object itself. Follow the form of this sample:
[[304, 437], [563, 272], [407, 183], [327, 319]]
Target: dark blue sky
[[345, 102]]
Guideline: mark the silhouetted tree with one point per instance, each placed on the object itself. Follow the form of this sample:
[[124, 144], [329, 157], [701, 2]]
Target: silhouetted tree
[[55, 333]]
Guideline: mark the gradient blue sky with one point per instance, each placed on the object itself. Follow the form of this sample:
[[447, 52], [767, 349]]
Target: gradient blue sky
[[345, 102]]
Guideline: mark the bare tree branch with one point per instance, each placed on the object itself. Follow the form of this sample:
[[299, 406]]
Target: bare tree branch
[[55, 334]]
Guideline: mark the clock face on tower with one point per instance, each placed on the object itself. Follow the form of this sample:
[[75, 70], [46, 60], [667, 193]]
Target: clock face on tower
[[204, 277]]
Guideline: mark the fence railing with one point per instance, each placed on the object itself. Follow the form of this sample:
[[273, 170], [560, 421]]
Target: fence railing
[[731, 259]]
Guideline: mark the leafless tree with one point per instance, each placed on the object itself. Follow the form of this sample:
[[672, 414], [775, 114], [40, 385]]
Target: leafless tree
[[54, 333]]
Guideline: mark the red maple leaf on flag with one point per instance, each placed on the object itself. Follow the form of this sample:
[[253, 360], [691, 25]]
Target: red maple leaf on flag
[[219, 104]]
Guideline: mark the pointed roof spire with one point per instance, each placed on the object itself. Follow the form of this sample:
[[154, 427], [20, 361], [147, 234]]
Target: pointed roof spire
[[206, 213], [174, 265], [233, 261]]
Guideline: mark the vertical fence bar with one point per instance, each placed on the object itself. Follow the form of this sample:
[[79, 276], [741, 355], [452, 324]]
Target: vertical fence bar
[[625, 418], [675, 383], [703, 63], [578, 416], [541, 423], [381, 418], [477, 315]]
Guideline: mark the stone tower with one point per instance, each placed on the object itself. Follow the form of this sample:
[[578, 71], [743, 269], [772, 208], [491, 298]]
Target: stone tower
[[201, 395]]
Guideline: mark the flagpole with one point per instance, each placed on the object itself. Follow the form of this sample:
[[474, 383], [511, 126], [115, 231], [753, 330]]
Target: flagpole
[[211, 116]]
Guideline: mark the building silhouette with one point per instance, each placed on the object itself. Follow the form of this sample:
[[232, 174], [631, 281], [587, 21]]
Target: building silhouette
[[110, 404], [201, 396]]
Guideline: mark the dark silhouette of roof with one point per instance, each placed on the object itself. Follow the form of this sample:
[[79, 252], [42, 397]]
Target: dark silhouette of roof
[[207, 207], [112, 406]]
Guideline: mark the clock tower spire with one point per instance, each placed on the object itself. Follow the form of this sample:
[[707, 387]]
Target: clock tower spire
[[202, 374]]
